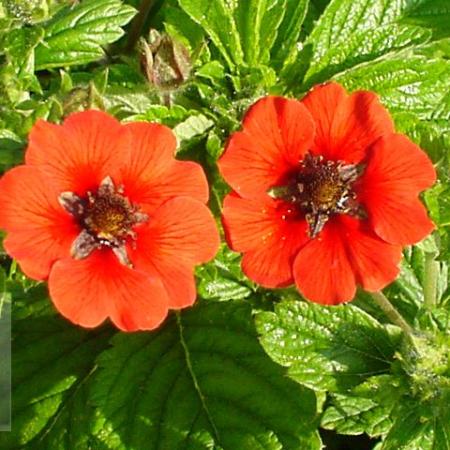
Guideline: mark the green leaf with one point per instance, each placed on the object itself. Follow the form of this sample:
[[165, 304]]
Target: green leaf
[[11, 147], [179, 25], [194, 125], [51, 359], [343, 18], [414, 430], [367, 409], [248, 16], [217, 20], [331, 349], [257, 22], [162, 114], [200, 382], [289, 30], [76, 34], [126, 102], [355, 415], [364, 46], [19, 46], [434, 14], [351, 33], [244, 31], [222, 279], [270, 26], [405, 83]]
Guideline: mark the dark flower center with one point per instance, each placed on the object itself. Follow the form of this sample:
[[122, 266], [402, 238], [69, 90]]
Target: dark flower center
[[106, 218], [320, 189], [108, 215]]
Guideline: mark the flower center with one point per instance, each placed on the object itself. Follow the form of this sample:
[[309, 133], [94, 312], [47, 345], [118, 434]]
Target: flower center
[[320, 189], [106, 218], [108, 215]]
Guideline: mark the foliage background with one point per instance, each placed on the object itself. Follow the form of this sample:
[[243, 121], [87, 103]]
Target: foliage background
[[246, 368]]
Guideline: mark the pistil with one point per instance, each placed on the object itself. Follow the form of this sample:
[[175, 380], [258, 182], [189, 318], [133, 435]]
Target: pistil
[[106, 218], [320, 189]]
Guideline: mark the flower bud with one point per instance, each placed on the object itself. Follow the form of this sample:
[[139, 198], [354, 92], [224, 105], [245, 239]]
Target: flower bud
[[166, 63]]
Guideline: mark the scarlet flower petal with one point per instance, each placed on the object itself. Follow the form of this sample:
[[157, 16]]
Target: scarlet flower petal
[[152, 151], [375, 262], [182, 178], [400, 220], [269, 242], [277, 132], [397, 170], [322, 270], [180, 234], [396, 163], [346, 125], [153, 175], [79, 154], [88, 291], [40, 231]]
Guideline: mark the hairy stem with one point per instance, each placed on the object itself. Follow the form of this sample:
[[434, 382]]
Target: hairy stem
[[138, 23], [391, 313], [430, 280]]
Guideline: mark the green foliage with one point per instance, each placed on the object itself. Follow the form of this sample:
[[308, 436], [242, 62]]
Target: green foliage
[[250, 33], [377, 383], [202, 381], [76, 34], [326, 349], [222, 278], [209, 378], [434, 14], [51, 362]]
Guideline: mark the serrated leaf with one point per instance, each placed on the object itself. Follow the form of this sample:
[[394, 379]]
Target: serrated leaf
[[244, 31], [194, 125], [125, 102], [348, 34], [406, 83], [248, 16], [179, 25], [222, 279], [257, 23], [69, 428], [50, 359], [414, 430], [342, 18], [363, 46], [270, 26], [434, 14], [331, 349], [200, 382], [356, 415], [10, 148], [76, 34], [367, 409], [289, 30], [217, 20], [19, 45]]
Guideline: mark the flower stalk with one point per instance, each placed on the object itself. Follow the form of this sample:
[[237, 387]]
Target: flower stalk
[[391, 313], [430, 280]]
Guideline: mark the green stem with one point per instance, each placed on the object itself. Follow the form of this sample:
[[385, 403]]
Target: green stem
[[391, 313], [12, 269], [430, 280]]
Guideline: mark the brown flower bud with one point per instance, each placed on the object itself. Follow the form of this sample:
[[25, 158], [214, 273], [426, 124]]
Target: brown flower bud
[[165, 62]]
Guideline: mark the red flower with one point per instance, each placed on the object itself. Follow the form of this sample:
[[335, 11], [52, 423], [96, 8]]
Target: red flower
[[325, 193], [106, 213]]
